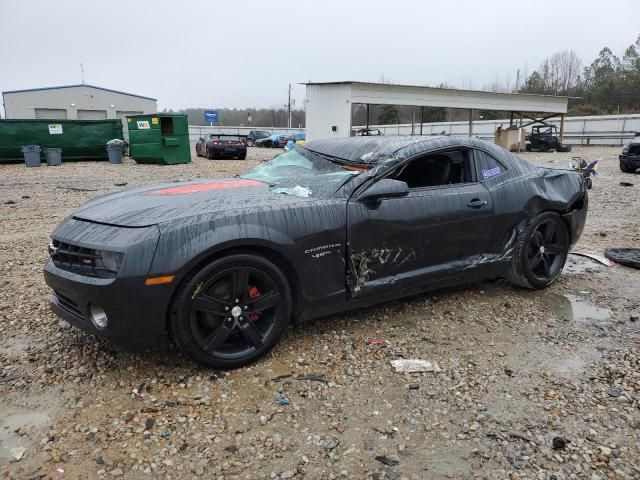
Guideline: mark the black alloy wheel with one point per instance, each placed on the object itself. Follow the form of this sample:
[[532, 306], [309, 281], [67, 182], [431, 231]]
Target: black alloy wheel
[[232, 312], [541, 252]]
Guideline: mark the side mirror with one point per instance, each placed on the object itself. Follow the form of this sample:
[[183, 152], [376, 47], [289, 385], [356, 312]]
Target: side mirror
[[201, 139], [385, 188]]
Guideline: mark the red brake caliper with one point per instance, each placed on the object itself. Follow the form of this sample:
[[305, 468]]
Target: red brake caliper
[[253, 294]]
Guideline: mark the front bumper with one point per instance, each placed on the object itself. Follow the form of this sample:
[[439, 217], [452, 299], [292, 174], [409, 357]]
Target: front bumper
[[630, 160], [136, 312]]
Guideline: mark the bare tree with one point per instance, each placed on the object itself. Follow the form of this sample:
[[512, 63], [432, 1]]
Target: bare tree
[[562, 71]]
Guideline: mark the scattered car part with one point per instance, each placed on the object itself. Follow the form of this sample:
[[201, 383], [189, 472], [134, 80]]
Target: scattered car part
[[368, 132], [559, 443], [414, 365], [585, 168], [629, 257], [598, 258]]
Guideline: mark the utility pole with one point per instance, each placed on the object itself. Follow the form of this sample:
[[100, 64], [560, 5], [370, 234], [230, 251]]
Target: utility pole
[[289, 106], [82, 70]]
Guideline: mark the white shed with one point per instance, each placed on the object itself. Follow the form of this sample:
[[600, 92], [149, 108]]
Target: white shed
[[329, 104]]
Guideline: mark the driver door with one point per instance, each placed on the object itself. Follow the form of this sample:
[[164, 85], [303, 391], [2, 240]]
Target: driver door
[[426, 236]]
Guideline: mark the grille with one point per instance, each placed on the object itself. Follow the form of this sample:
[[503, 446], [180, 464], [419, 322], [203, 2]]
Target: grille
[[68, 304], [84, 261]]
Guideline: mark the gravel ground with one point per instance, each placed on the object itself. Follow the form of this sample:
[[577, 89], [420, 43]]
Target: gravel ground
[[517, 369]]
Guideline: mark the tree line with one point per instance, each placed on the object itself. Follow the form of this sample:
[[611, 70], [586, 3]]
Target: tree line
[[248, 117]]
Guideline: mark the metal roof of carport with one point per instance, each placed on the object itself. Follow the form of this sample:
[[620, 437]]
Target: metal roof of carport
[[329, 104], [397, 94]]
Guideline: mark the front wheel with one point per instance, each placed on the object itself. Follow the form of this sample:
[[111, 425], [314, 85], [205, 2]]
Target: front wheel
[[250, 142], [231, 312], [540, 252]]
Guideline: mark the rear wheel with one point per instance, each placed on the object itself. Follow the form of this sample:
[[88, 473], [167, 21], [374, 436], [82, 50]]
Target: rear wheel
[[242, 157], [250, 142], [231, 312], [540, 252]]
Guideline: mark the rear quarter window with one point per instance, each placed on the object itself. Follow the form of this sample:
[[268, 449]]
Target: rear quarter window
[[488, 166]]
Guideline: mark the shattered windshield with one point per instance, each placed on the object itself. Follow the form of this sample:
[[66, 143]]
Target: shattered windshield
[[302, 173]]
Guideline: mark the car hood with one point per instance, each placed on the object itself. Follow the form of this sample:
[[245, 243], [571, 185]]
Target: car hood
[[155, 204]]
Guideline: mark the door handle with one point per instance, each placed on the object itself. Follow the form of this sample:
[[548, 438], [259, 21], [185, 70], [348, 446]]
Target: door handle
[[477, 203]]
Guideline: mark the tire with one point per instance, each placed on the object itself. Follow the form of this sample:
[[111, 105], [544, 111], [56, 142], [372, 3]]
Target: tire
[[625, 168], [213, 329], [250, 142], [527, 147], [540, 252], [242, 157], [588, 183]]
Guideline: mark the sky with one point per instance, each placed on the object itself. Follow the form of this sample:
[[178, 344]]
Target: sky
[[242, 53]]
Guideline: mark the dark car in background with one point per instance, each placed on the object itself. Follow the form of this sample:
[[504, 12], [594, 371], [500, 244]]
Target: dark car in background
[[630, 158], [223, 146], [277, 140], [224, 266], [255, 135]]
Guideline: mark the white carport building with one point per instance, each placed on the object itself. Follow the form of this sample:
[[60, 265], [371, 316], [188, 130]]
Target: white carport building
[[329, 104]]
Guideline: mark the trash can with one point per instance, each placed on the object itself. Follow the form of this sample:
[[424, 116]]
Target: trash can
[[115, 154], [53, 156], [31, 155]]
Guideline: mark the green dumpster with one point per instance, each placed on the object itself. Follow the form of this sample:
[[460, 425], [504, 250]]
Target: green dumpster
[[161, 138], [78, 139]]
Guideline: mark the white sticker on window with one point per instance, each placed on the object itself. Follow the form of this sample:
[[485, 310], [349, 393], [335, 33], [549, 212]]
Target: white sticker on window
[[492, 172]]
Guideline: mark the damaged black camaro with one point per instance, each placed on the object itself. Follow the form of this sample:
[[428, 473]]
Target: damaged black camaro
[[223, 266]]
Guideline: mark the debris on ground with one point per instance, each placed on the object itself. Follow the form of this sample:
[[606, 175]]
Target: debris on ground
[[313, 378], [593, 256], [281, 400], [559, 443], [629, 257], [415, 365], [387, 461]]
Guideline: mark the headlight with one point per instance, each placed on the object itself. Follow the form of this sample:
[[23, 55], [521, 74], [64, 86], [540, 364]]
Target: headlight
[[625, 149], [106, 260]]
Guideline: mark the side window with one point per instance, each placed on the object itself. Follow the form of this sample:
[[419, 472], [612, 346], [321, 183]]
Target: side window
[[488, 166], [443, 168]]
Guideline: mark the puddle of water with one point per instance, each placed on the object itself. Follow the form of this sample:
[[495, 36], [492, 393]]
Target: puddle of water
[[12, 419], [571, 307], [21, 421], [576, 265]]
